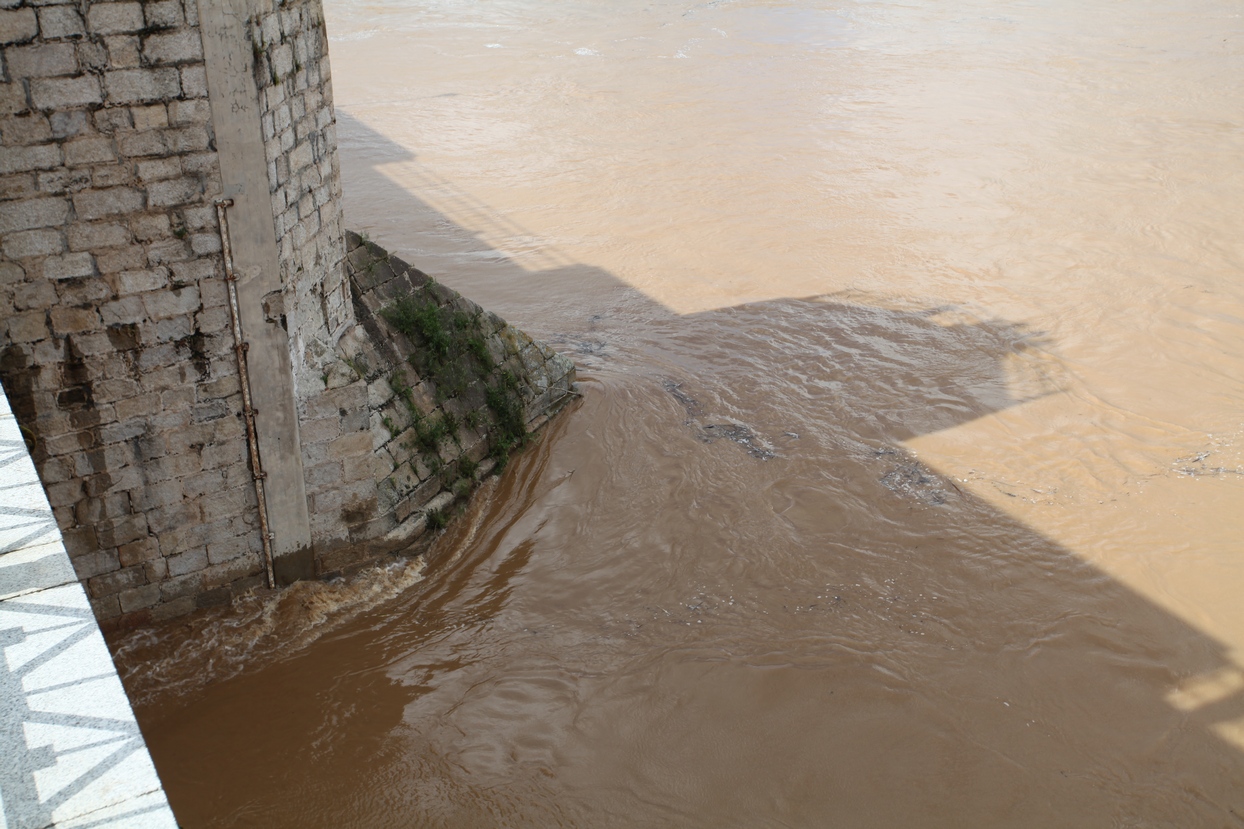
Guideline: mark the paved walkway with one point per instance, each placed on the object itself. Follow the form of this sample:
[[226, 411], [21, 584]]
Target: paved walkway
[[71, 754]]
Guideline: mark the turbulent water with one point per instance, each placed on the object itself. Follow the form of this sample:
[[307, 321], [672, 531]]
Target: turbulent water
[[907, 484]]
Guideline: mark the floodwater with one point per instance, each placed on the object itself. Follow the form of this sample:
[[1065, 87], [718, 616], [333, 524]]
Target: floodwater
[[907, 483]]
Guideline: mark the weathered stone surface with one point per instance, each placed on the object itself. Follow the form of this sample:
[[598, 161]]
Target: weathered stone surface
[[42, 60], [31, 213], [128, 86], [62, 93], [98, 204], [18, 25], [69, 266], [33, 243], [115, 18], [60, 22], [176, 47]]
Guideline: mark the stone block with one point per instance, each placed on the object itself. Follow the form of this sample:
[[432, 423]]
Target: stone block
[[107, 584], [203, 244], [165, 14], [60, 21], [151, 227], [113, 120], [321, 430], [208, 411], [69, 266], [168, 252], [94, 562], [17, 186], [123, 52], [18, 25], [183, 585], [63, 93], [194, 82], [106, 608], [174, 192], [192, 139], [27, 328], [115, 18], [158, 495], [69, 124], [156, 570], [150, 117], [323, 475], [143, 404], [141, 281], [32, 213], [221, 387], [41, 60], [143, 143], [124, 258], [96, 204], [112, 175], [26, 159], [73, 320], [97, 150], [177, 516], [212, 480], [177, 400], [196, 269], [12, 98], [182, 46], [227, 573], [64, 181], [114, 389], [362, 467], [351, 444], [137, 552], [191, 561], [200, 218], [122, 530], [102, 235], [33, 243], [30, 295], [171, 610], [211, 320], [177, 328], [228, 549], [158, 169], [128, 86], [139, 598], [92, 57]]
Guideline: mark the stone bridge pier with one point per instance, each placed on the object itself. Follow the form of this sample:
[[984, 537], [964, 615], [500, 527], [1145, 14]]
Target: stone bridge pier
[[170, 201]]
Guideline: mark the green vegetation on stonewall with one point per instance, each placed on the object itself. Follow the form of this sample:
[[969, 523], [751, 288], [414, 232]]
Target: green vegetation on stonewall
[[451, 350]]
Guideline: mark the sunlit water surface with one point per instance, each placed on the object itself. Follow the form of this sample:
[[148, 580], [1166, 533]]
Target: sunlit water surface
[[907, 485]]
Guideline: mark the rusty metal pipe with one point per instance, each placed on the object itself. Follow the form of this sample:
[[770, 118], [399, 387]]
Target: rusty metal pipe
[[240, 347]]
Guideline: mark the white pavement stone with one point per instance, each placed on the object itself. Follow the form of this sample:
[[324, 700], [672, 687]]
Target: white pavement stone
[[71, 754]]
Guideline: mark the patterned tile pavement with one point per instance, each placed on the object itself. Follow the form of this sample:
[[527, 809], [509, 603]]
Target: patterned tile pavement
[[71, 754]]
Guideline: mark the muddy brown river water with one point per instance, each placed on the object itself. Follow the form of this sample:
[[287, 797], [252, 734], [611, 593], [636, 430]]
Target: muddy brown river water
[[907, 485]]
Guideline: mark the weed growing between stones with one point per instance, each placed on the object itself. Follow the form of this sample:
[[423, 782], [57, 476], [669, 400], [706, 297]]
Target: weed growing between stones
[[437, 519], [451, 350]]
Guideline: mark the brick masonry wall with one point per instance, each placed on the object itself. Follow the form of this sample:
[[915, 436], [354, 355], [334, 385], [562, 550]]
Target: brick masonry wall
[[114, 340]]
